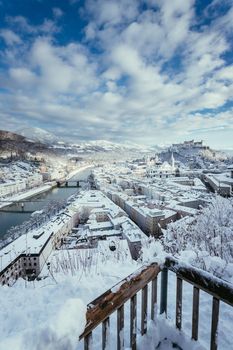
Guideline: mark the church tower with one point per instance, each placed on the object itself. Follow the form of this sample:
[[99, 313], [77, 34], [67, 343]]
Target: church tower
[[173, 162]]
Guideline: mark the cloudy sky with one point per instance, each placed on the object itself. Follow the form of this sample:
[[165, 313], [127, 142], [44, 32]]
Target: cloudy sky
[[150, 72]]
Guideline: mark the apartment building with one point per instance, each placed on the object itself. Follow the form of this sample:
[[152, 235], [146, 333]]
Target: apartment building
[[27, 255], [150, 220]]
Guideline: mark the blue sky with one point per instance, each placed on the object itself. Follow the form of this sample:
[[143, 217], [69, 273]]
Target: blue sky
[[150, 72]]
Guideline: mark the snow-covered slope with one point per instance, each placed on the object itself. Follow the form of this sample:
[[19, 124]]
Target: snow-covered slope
[[38, 135], [194, 157], [100, 147], [17, 146]]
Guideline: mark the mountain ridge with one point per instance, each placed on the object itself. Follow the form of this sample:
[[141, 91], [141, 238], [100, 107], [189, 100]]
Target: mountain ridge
[[38, 135]]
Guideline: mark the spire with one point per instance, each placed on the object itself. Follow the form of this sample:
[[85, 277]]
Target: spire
[[173, 162]]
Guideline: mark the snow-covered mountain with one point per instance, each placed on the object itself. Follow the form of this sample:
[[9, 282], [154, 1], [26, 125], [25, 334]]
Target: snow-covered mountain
[[104, 148], [112, 146], [17, 146], [38, 135], [108, 146]]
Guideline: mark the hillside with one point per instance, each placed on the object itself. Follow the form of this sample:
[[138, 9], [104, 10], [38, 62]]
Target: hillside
[[14, 145], [194, 157], [102, 149], [38, 135]]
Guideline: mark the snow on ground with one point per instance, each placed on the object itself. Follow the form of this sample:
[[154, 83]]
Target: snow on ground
[[42, 317], [162, 335], [50, 313]]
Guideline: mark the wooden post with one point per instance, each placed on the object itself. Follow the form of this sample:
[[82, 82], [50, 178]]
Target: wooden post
[[178, 302], [105, 333], [163, 294], [133, 322], [195, 315], [144, 310], [153, 297], [214, 325], [88, 341], [120, 328]]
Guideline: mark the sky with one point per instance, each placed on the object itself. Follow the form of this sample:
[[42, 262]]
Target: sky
[[145, 71]]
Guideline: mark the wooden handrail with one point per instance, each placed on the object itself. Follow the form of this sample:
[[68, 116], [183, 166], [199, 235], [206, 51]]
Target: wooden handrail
[[103, 306], [217, 287], [100, 309]]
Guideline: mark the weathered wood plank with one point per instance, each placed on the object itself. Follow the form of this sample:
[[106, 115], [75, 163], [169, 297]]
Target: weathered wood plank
[[133, 322], [195, 314], [179, 284], [103, 306], [214, 324], [144, 307], [105, 333], [120, 328], [153, 297]]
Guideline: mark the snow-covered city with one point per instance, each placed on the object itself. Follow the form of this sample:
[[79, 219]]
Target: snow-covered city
[[122, 215], [116, 175]]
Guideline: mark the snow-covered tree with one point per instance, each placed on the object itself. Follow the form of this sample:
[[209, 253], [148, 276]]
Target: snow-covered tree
[[208, 235]]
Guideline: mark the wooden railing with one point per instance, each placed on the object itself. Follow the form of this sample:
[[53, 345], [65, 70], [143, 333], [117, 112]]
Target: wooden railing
[[219, 289], [100, 309]]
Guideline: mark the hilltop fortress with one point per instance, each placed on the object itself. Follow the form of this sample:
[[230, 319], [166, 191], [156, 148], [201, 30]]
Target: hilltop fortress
[[190, 144]]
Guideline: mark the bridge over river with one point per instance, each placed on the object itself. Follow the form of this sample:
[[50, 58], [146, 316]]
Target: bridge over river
[[20, 211], [70, 183]]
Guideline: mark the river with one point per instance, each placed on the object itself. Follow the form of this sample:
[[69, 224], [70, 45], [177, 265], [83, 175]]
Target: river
[[9, 219]]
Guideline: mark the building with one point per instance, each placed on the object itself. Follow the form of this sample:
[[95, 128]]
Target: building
[[26, 256]]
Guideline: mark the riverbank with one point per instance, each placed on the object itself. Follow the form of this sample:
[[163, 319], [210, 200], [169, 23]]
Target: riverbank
[[25, 195], [76, 171], [38, 190]]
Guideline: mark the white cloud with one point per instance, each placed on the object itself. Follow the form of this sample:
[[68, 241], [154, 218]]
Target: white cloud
[[21, 23], [152, 74], [111, 12], [10, 37], [22, 76], [226, 73], [62, 69], [57, 12]]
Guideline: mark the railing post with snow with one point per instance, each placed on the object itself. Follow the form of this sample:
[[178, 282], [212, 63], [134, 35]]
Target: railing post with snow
[[114, 299], [163, 291]]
